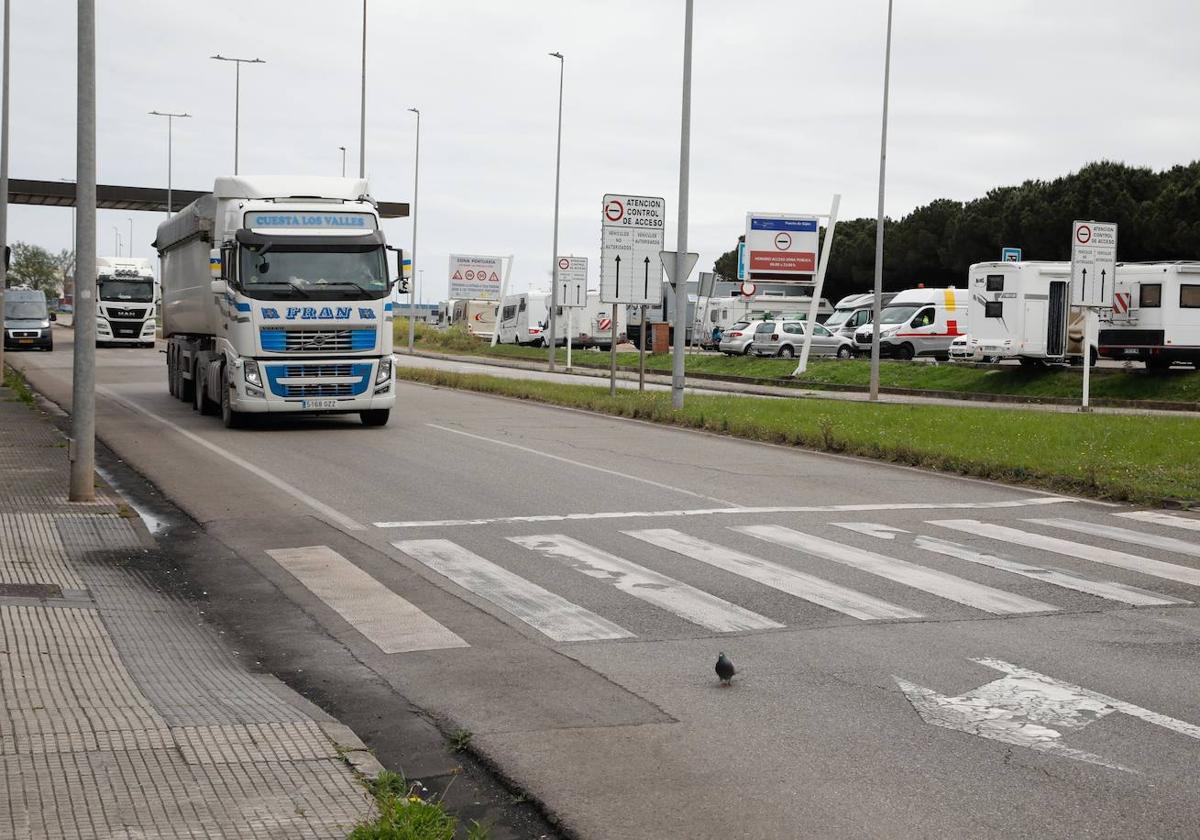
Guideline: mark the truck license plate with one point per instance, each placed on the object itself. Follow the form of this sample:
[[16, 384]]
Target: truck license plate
[[318, 403]]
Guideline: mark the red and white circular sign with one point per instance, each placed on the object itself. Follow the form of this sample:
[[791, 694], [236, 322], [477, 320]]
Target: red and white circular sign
[[748, 289], [783, 241], [614, 210], [564, 263], [1083, 234]]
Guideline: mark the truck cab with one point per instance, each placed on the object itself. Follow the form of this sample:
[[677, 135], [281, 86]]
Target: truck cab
[[126, 301]]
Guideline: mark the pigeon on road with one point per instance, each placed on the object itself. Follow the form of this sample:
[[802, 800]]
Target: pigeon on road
[[725, 669]]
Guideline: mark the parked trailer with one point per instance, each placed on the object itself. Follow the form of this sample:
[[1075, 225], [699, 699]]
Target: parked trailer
[[1156, 314], [479, 316], [276, 299]]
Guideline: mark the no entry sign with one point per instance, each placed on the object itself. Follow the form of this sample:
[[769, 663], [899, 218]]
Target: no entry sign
[[779, 243]]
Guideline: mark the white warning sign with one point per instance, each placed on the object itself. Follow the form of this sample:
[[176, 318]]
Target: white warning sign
[[475, 277]]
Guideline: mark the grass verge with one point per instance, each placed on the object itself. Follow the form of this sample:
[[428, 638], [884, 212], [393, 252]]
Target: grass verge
[[1141, 459], [406, 812], [1176, 386], [15, 381]]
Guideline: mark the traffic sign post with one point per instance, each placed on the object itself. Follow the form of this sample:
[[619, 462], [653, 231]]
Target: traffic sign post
[[781, 243], [632, 228], [741, 261], [1093, 279], [818, 287], [571, 280], [1010, 255]]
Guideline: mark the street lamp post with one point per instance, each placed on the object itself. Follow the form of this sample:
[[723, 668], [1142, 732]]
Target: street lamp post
[[412, 292], [130, 249], [81, 446], [343, 148], [4, 176], [681, 232], [117, 240], [554, 254], [362, 108], [170, 124], [878, 306], [237, 95]]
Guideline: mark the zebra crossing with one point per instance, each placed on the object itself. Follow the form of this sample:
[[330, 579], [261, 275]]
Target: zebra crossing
[[632, 564]]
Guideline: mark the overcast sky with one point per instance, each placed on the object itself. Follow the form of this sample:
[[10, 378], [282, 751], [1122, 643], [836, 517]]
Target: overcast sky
[[786, 106]]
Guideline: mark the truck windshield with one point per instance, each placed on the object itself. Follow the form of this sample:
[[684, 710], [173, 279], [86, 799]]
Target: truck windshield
[[138, 291], [279, 271], [897, 314], [25, 310]]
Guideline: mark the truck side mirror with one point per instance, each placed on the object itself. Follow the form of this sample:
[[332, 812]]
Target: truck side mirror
[[218, 286]]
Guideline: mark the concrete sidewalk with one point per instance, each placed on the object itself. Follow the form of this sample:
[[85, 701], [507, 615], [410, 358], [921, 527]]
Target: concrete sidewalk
[[122, 714]]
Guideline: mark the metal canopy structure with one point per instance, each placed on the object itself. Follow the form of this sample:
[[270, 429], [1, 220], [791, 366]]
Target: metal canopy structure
[[149, 199]]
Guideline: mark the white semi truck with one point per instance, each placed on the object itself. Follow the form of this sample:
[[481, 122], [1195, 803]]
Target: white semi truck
[[125, 301], [276, 299]]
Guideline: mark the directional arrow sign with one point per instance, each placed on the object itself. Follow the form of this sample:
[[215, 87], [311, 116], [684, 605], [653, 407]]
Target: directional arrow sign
[[632, 229], [1028, 709], [668, 264], [1093, 263]]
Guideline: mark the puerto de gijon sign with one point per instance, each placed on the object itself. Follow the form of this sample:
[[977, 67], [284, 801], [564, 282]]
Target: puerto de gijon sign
[[1093, 263], [475, 277], [632, 230], [570, 273], [781, 243]]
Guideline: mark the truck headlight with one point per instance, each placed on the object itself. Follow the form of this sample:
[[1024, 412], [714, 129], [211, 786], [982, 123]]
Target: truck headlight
[[250, 371], [384, 374]]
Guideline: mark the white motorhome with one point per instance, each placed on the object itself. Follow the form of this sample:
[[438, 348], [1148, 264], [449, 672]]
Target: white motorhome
[[479, 316], [1021, 310], [276, 299], [592, 326], [1156, 314], [919, 322], [126, 298], [524, 319], [723, 312]]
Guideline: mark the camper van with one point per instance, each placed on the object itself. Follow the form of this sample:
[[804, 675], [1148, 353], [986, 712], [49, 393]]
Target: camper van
[[1019, 310], [918, 322], [27, 320], [853, 311], [479, 316], [525, 319], [1155, 315]]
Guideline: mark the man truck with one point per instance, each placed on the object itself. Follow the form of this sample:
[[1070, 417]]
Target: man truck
[[276, 299], [125, 301]]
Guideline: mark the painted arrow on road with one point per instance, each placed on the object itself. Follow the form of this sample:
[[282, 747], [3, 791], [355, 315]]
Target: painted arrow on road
[[1028, 709]]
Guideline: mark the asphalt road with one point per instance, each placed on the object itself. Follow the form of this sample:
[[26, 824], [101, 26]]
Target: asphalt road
[[919, 655]]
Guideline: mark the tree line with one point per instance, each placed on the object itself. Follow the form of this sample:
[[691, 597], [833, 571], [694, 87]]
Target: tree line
[[34, 266], [1158, 214]]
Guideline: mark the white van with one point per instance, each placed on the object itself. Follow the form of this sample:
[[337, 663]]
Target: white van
[[919, 322], [1158, 318], [854, 311], [524, 319]]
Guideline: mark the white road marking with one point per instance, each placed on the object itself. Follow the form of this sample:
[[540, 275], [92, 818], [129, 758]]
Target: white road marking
[[939, 583], [871, 529], [687, 602], [325, 511], [654, 514], [801, 585], [1100, 588], [1031, 710], [1132, 562], [391, 623], [540, 608], [1122, 535], [1158, 518], [581, 464]]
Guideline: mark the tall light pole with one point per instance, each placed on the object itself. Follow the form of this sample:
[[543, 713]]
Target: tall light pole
[[554, 254], [681, 232], [170, 125], [81, 447], [343, 148], [237, 97], [412, 291], [4, 177], [877, 308], [130, 248], [117, 240], [362, 108]]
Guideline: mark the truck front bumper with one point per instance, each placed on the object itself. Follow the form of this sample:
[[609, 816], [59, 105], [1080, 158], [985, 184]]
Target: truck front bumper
[[322, 386]]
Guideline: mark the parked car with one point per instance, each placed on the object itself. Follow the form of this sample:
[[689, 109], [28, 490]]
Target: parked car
[[786, 338], [736, 340]]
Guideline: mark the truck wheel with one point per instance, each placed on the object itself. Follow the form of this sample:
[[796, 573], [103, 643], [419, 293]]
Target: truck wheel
[[232, 419], [203, 402], [905, 351], [375, 416], [172, 389]]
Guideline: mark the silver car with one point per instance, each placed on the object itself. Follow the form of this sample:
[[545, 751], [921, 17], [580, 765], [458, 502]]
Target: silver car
[[786, 338], [736, 340]]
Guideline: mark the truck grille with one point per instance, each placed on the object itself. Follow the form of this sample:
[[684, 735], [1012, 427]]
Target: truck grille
[[281, 379], [318, 370], [127, 314], [283, 340], [343, 390]]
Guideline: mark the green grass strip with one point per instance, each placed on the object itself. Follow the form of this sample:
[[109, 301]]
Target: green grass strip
[[1141, 459], [14, 380], [1175, 386]]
